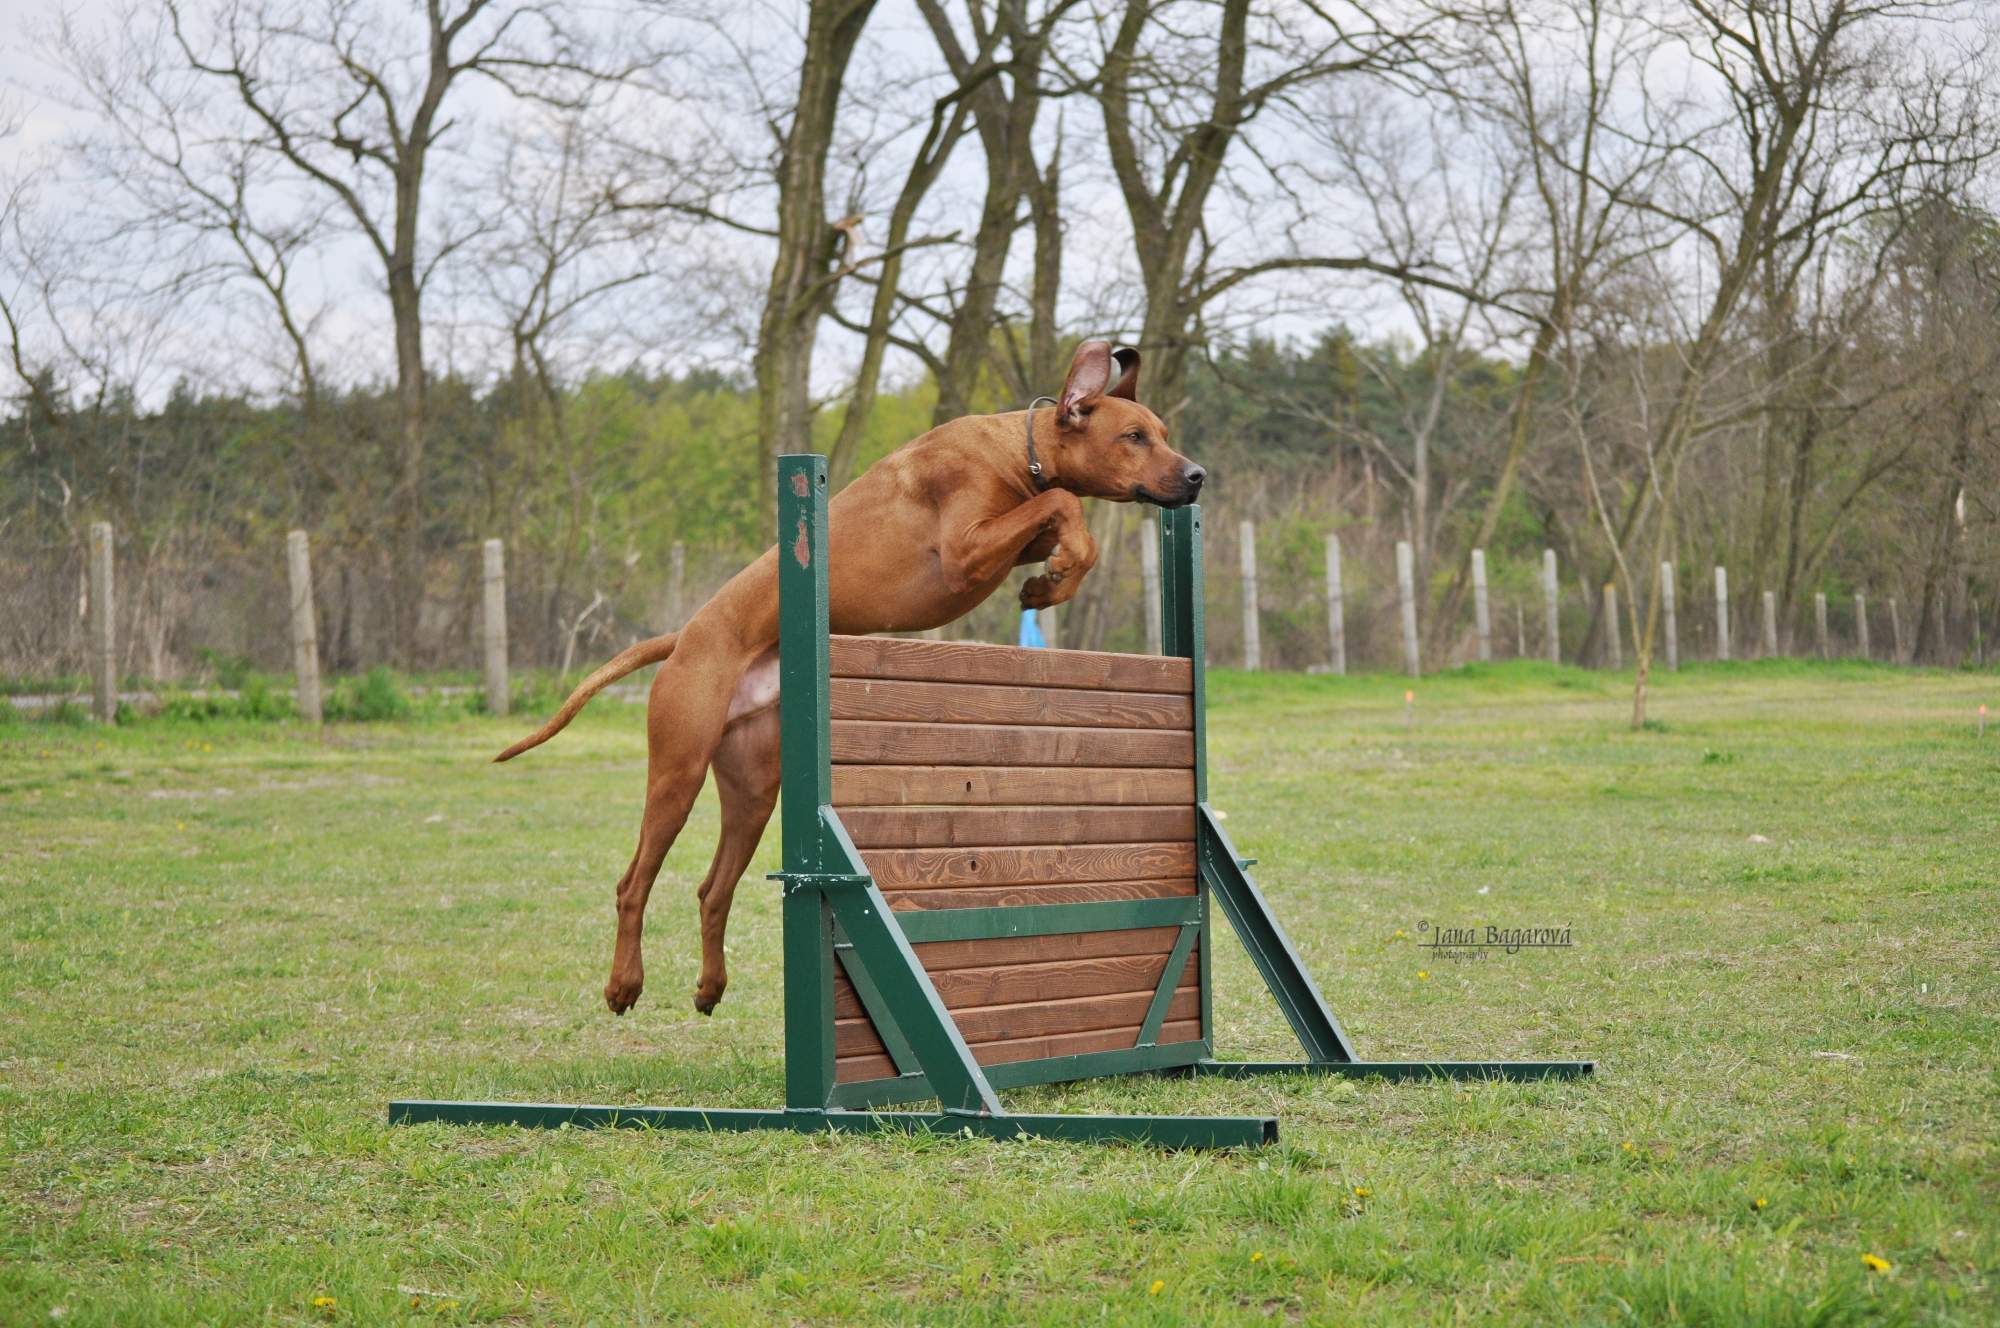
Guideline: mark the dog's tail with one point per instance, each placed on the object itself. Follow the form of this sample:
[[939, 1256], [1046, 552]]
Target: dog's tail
[[625, 661]]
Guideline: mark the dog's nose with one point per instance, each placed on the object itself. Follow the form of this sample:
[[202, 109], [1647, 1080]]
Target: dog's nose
[[1193, 476]]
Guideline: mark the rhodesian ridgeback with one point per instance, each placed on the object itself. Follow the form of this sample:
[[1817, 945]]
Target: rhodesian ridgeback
[[920, 539]]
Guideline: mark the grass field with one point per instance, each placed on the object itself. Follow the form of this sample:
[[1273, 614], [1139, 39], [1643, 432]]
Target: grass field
[[227, 946]]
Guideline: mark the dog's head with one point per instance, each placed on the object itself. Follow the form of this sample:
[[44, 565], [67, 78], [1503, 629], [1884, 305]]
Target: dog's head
[[1110, 446]]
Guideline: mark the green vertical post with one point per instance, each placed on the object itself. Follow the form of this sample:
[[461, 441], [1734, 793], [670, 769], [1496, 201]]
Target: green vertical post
[[806, 736], [1184, 632], [1183, 628]]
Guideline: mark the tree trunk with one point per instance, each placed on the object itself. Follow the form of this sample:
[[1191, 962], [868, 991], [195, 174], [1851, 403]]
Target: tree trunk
[[1006, 128], [409, 508], [802, 275]]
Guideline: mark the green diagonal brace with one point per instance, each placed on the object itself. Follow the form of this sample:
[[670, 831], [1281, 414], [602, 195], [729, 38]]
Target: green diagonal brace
[[1163, 995], [1270, 949], [879, 1011], [880, 946]]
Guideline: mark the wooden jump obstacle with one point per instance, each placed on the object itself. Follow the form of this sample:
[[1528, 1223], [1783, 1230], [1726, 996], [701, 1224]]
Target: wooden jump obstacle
[[1000, 866]]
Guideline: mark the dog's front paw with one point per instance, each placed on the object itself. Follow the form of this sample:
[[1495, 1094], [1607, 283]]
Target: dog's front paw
[[1038, 592], [621, 993]]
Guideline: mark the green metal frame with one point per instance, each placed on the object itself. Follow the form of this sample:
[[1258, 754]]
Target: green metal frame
[[835, 918]]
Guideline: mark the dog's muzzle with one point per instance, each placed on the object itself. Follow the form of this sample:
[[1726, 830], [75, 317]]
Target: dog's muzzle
[[1190, 489]]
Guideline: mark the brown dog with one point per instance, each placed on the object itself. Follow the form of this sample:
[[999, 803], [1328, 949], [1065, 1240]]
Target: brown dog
[[922, 537]]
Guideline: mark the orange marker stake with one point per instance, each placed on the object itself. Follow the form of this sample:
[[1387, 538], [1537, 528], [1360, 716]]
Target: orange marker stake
[[1982, 719], [1410, 710]]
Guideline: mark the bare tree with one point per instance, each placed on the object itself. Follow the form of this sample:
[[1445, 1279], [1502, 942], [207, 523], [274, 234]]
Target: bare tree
[[1829, 124], [354, 100], [811, 249], [1005, 116]]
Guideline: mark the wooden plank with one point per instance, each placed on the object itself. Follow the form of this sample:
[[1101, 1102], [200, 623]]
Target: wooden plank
[[1015, 984], [1006, 1023], [943, 956], [860, 1068], [999, 785], [982, 827], [916, 868], [876, 742], [1016, 896], [1013, 666], [984, 703]]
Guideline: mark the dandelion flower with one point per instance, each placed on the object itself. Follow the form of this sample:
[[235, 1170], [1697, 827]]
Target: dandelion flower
[[1761, 1203], [324, 1302], [1158, 1286], [1362, 1191], [1257, 1256], [1423, 976], [1399, 933], [1876, 1263], [1629, 1146]]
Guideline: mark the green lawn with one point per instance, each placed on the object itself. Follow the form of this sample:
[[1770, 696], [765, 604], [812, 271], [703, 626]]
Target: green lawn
[[227, 946]]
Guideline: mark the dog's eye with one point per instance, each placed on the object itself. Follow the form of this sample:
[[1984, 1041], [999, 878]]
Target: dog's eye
[[1136, 437]]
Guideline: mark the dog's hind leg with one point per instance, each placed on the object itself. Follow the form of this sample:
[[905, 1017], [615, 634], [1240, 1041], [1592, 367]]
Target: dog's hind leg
[[747, 774], [685, 717]]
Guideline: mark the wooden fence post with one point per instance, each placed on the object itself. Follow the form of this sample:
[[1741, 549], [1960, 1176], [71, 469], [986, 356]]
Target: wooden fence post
[[1253, 645], [1895, 631], [1482, 624], [1614, 644], [305, 628], [1336, 606], [1552, 627], [1149, 572], [1861, 624], [1819, 622], [1770, 623], [1667, 607], [103, 627], [677, 613], [1520, 631], [494, 623], [1722, 614], [1406, 589]]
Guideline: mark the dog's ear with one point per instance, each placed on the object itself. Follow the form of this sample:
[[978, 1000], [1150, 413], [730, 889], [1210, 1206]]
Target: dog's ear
[[1089, 375], [1128, 379]]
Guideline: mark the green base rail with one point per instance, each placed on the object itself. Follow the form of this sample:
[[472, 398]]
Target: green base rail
[[835, 918]]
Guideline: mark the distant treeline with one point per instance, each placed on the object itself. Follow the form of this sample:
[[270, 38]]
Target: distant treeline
[[1304, 439]]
